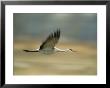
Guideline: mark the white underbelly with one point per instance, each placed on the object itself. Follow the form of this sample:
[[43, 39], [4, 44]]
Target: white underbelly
[[47, 51]]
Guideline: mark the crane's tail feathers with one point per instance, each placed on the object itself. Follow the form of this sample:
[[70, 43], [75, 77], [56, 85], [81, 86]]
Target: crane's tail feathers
[[30, 50]]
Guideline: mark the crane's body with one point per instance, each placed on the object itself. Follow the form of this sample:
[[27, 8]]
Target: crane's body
[[48, 46]]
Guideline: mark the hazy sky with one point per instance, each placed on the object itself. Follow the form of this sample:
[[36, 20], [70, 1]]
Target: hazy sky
[[73, 26]]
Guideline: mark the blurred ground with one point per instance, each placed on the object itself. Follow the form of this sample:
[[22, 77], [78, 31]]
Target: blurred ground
[[82, 62]]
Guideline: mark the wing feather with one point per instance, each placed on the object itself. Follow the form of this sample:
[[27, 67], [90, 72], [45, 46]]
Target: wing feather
[[51, 40]]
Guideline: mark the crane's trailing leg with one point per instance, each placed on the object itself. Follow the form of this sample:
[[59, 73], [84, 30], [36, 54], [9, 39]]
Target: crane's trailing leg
[[30, 50]]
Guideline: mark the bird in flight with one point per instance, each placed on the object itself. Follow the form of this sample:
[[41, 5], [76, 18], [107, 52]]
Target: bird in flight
[[48, 46]]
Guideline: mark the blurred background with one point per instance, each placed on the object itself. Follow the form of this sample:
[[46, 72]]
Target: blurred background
[[78, 31], [74, 27]]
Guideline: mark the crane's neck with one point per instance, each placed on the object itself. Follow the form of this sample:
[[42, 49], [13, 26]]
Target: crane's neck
[[65, 50]]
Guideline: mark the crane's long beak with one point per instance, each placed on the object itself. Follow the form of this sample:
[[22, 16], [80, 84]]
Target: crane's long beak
[[72, 50]]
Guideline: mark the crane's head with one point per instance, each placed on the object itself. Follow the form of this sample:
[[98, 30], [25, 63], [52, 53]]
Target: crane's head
[[72, 50]]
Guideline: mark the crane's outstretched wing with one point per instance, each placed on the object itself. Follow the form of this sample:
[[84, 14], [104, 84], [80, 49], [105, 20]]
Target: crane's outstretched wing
[[51, 40]]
